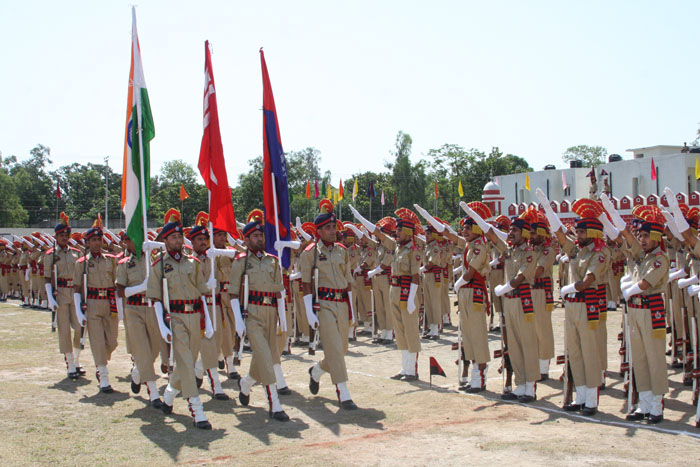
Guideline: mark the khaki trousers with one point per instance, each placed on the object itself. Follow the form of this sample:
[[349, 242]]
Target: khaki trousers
[[648, 353], [66, 320], [582, 345], [382, 302], [432, 296], [261, 328], [522, 342], [102, 328], [209, 348], [187, 337], [142, 328], [405, 323], [543, 326], [333, 321], [475, 338]]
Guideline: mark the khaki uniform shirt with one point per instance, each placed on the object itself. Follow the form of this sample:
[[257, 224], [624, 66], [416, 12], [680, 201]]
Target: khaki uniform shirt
[[185, 280]]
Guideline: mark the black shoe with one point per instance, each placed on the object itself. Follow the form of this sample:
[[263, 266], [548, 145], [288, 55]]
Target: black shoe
[[285, 391], [509, 396], [654, 419], [410, 377], [525, 399], [313, 384], [285, 352], [135, 388], [221, 396], [475, 389], [244, 399], [80, 370], [221, 365], [348, 405], [280, 416], [234, 375], [687, 381], [677, 365], [199, 381], [602, 387], [636, 416], [398, 376], [544, 376], [74, 375], [573, 407], [589, 411], [107, 390], [157, 404], [668, 352], [203, 425], [433, 338], [167, 409], [352, 339]]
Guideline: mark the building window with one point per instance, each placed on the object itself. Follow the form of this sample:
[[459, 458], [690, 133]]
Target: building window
[[635, 187], [567, 192]]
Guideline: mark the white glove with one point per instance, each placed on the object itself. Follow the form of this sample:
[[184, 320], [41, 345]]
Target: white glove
[[493, 263], [357, 270], [681, 223], [374, 272], [683, 283], [368, 225], [502, 289], [129, 291], [211, 284], [634, 289], [671, 224], [438, 226], [165, 333], [421, 270], [238, 317], [212, 253], [677, 274], [564, 259], [450, 229], [310, 315], [568, 289], [693, 290], [26, 274], [120, 309], [149, 245], [554, 221], [282, 312], [456, 271], [301, 232], [460, 282], [358, 233], [296, 276], [608, 228], [626, 278], [208, 327], [614, 215], [352, 308], [485, 227], [78, 312], [421, 238], [411, 305], [291, 244], [49, 295]]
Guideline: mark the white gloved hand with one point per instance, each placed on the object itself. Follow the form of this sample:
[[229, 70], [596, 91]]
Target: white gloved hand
[[282, 312], [49, 295], [78, 310], [614, 215], [458, 270], [564, 259], [671, 224], [165, 333], [208, 327], [693, 290], [494, 262], [301, 232], [676, 274], [502, 289], [238, 317], [129, 291], [568, 289], [149, 245], [310, 315], [554, 221], [352, 309], [681, 223], [368, 225], [357, 270], [460, 282], [120, 309], [358, 233], [608, 228], [296, 276], [212, 253], [411, 305], [374, 272], [483, 225], [450, 229], [438, 226], [626, 278], [421, 237], [211, 284], [634, 289], [26, 274], [421, 270], [291, 244], [683, 283]]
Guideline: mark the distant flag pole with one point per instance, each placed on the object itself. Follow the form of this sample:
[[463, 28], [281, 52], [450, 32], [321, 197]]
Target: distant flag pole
[[527, 181], [435, 369], [139, 129], [460, 189], [436, 198], [58, 196], [354, 190], [183, 197], [341, 195], [697, 167]]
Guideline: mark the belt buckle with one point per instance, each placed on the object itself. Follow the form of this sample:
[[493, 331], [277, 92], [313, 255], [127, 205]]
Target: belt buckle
[[189, 308], [267, 300], [102, 293], [331, 295]]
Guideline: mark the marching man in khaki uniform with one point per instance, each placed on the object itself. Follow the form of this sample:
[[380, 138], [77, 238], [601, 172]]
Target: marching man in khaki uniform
[[404, 287], [433, 283], [189, 319], [518, 308], [95, 301], [58, 275], [327, 284], [139, 320], [228, 331], [255, 288]]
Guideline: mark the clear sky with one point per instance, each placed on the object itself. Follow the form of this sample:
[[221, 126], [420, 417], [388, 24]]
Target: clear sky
[[532, 77]]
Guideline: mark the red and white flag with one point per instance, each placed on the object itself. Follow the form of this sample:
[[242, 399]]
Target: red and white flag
[[211, 165], [563, 181]]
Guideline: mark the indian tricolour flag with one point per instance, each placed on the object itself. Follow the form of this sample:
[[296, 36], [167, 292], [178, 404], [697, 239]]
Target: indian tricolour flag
[[138, 134]]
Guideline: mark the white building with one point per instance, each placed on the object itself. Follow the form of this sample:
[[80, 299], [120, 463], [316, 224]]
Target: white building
[[629, 180]]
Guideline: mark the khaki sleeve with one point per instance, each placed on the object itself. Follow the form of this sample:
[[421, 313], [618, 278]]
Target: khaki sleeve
[[527, 266], [48, 265], [78, 275], [597, 265], [277, 284], [414, 261], [121, 274], [234, 277], [500, 246], [348, 271], [390, 243], [372, 242], [546, 259], [154, 291], [568, 247], [201, 277], [306, 263], [480, 257], [656, 273]]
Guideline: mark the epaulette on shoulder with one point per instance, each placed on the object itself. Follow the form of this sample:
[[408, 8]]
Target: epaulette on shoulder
[[109, 255], [310, 246], [194, 258], [273, 255], [49, 251], [478, 241], [240, 255], [340, 244], [659, 253], [81, 259], [74, 249], [157, 260], [123, 260], [120, 254]]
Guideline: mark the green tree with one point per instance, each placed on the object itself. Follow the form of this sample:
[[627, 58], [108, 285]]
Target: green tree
[[33, 185], [408, 180], [591, 156], [248, 195], [12, 214], [165, 192]]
